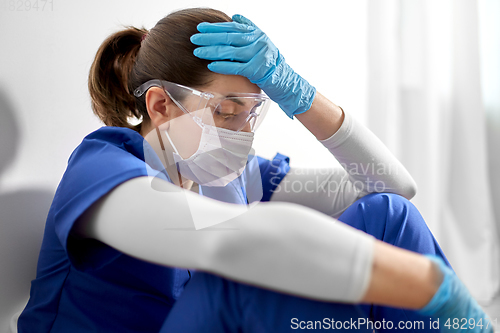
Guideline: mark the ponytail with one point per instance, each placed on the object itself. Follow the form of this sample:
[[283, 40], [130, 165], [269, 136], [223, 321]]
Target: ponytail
[[109, 76]]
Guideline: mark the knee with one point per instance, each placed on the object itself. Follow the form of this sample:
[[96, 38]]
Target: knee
[[384, 198], [379, 204], [395, 220], [386, 215]]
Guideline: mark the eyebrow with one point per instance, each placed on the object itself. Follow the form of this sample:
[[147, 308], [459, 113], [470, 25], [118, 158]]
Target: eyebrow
[[236, 100]]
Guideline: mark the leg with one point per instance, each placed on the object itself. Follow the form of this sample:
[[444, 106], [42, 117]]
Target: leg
[[394, 220], [213, 304]]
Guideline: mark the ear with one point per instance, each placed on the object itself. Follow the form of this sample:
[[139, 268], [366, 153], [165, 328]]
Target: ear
[[160, 107]]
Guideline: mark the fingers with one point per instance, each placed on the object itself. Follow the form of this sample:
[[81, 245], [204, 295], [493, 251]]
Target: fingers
[[254, 69], [206, 27], [238, 48], [242, 19], [223, 52], [226, 38], [238, 33], [239, 24], [227, 68]]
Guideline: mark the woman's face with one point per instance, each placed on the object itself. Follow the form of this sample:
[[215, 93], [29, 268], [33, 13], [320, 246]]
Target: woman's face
[[183, 131], [228, 109], [186, 134]]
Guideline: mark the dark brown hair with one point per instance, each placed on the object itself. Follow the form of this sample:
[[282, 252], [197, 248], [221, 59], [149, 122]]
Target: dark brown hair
[[125, 60]]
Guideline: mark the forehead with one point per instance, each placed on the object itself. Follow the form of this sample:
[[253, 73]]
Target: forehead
[[224, 84]]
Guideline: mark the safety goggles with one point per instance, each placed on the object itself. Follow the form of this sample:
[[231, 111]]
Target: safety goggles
[[235, 111]]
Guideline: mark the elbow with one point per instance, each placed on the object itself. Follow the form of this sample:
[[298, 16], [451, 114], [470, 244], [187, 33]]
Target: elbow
[[410, 189], [407, 188]]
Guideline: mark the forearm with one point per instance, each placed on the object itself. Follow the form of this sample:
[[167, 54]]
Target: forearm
[[327, 190], [323, 119], [369, 163], [366, 165], [401, 278]]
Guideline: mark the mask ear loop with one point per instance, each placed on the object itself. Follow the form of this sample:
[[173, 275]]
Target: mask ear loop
[[203, 96], [169, 140], [164, 152], [161, 143]]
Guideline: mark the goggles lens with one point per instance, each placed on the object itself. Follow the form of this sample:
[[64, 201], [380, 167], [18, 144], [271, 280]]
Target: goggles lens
[[236, 111]]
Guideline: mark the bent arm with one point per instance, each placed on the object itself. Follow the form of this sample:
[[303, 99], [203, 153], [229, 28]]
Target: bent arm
[[268, 245], [367, 165]]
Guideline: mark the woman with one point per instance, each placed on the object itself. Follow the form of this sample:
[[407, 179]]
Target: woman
[[128, 209]]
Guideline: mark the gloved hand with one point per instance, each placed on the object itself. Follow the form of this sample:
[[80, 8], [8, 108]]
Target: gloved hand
[[454, 306], [252, 54]]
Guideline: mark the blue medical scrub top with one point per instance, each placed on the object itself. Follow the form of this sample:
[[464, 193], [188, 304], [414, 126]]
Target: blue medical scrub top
[[83, 285]]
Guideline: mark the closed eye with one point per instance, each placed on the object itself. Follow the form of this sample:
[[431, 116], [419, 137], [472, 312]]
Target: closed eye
[[224, 115]]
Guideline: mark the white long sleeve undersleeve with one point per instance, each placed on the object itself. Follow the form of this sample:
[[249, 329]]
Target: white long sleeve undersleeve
[[367, 166], [268, 245]]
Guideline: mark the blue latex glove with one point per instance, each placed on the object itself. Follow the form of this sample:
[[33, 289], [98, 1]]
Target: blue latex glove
[[241, 48], [454, 306]]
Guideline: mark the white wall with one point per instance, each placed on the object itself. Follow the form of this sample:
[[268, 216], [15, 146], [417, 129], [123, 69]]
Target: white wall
[[46, 56]]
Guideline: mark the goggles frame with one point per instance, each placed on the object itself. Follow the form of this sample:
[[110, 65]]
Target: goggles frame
[[181, 92]]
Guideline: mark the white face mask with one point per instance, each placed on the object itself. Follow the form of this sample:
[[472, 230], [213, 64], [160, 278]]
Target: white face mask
[[221, 156]]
